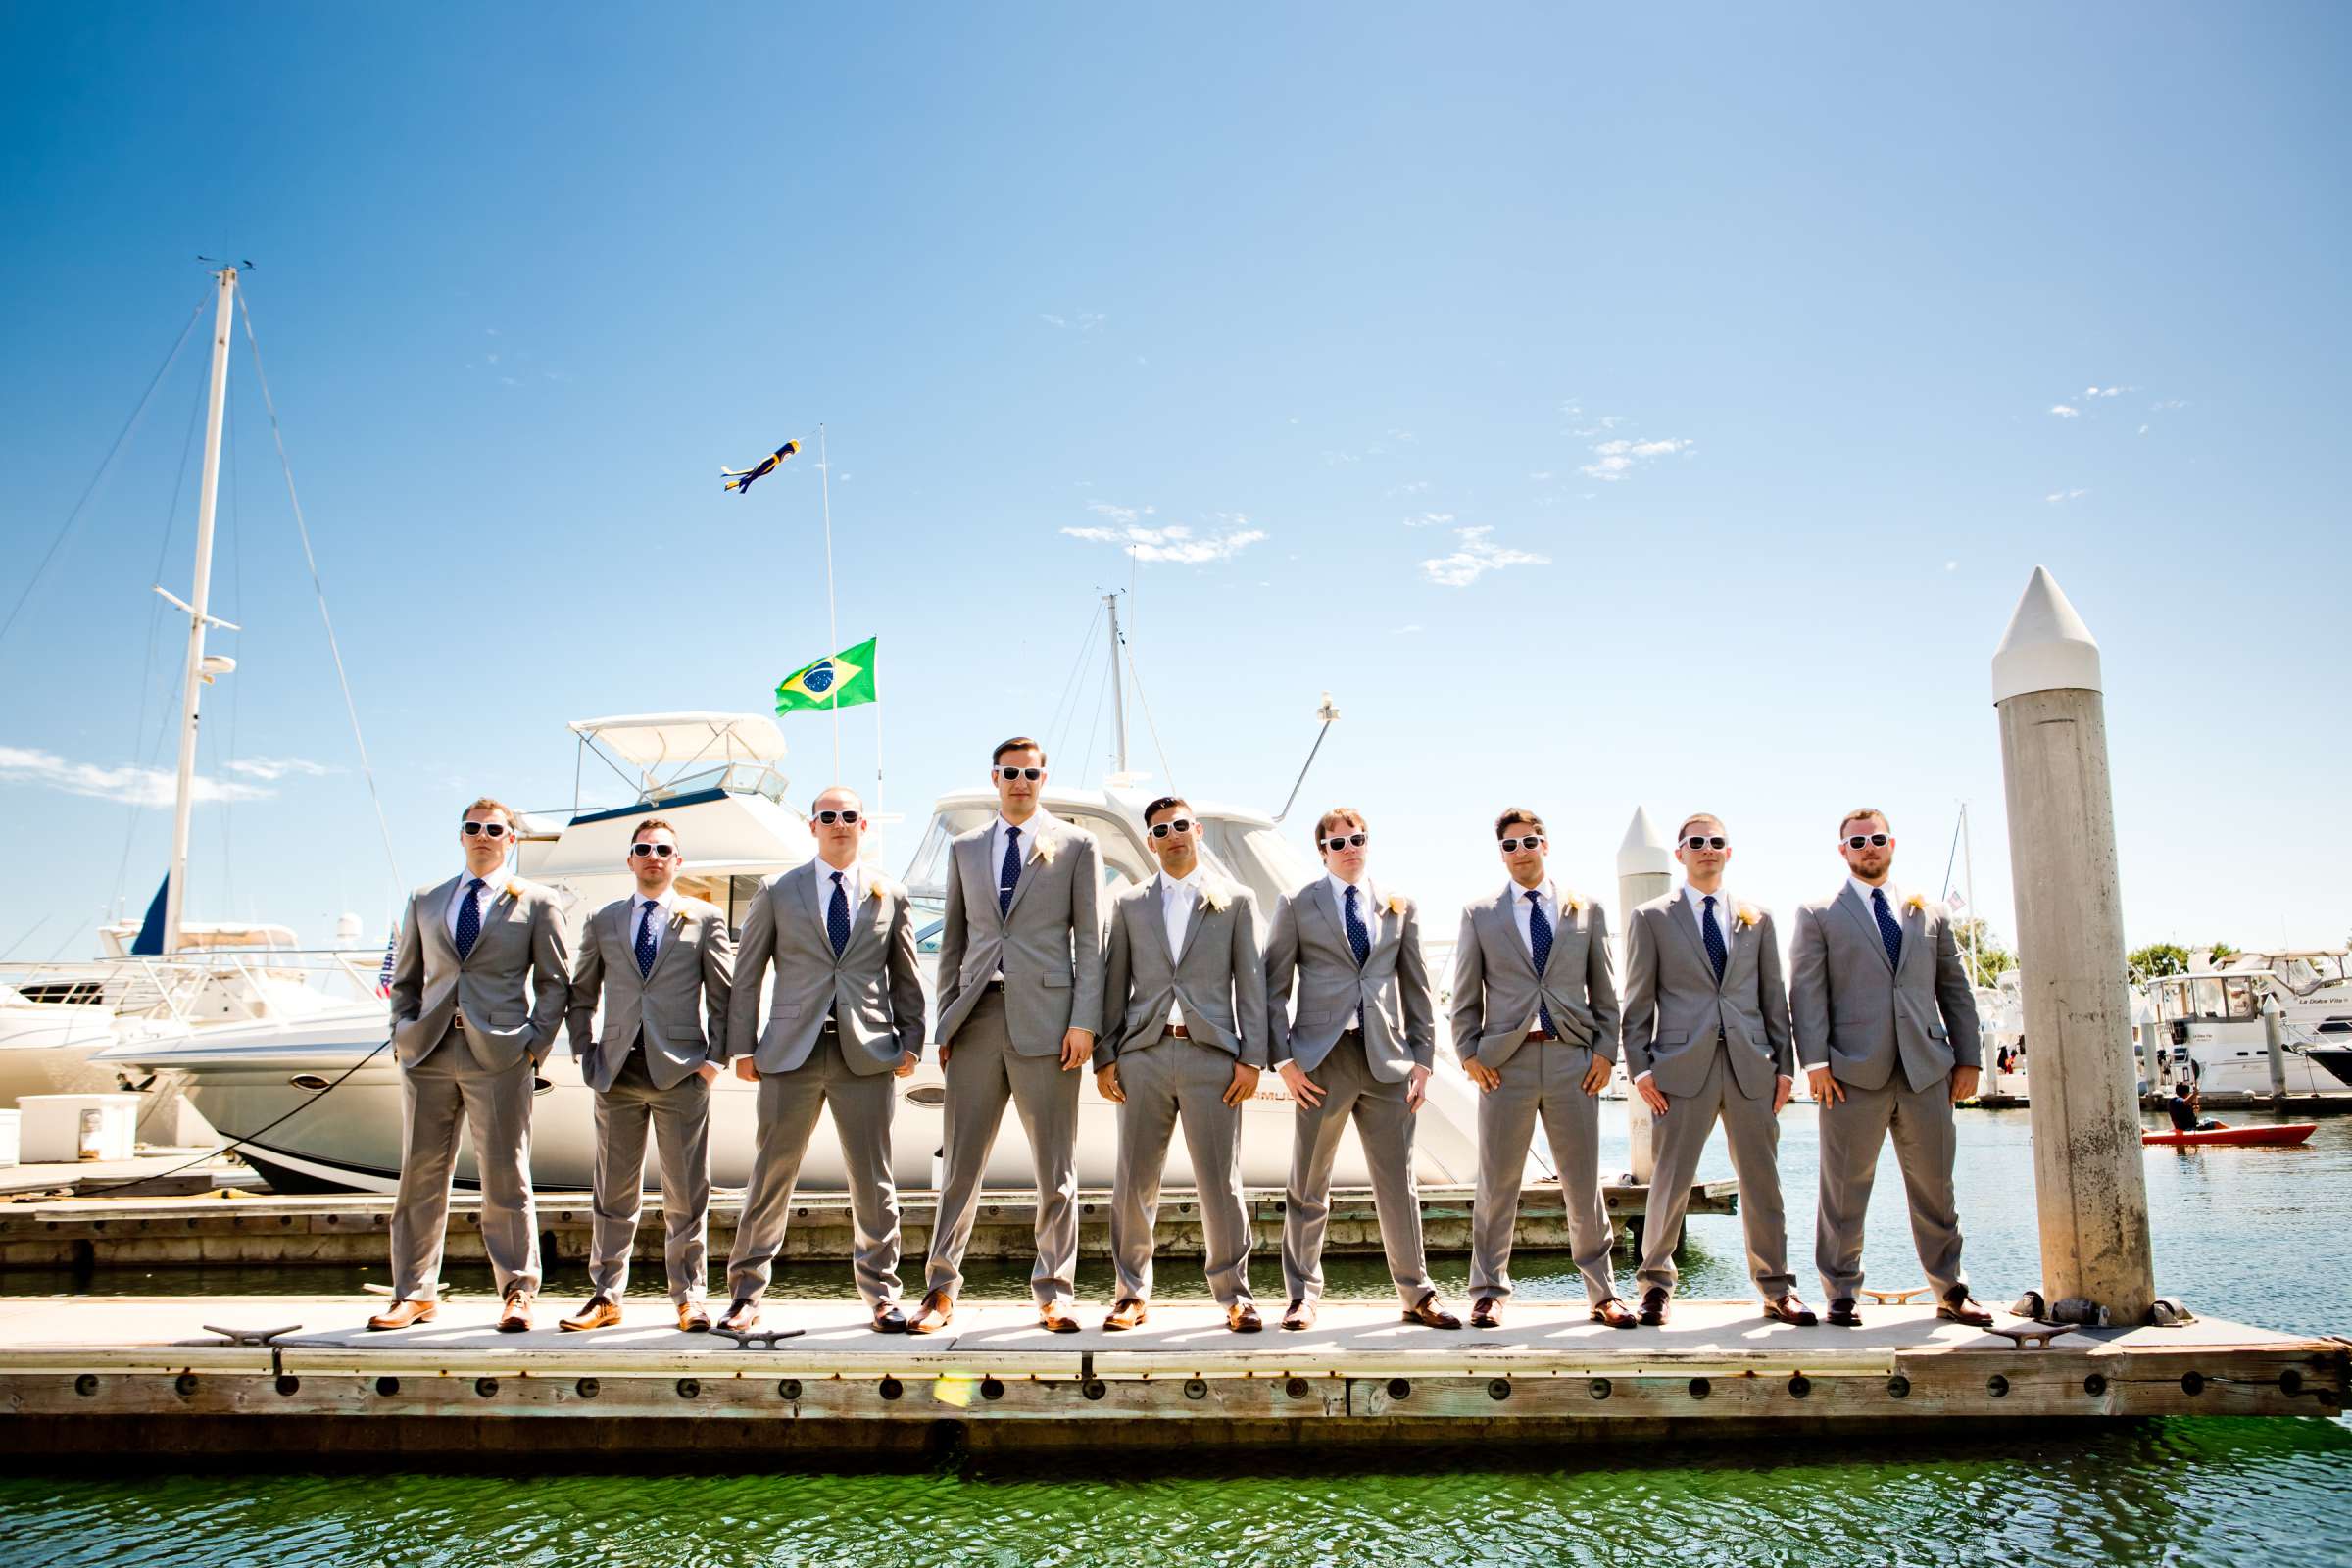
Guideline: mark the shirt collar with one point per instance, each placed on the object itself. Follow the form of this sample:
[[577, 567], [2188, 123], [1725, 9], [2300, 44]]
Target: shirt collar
[[491, 883], [1519, 894], [1169, 883], [853, 875], [1723, 900], [1030, 830], [1864, 890], [1365, 901], [638, 900]]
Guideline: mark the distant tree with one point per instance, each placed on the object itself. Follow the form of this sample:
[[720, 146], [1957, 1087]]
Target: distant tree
[[2222, 949], [1993, 959], [2157, 959]]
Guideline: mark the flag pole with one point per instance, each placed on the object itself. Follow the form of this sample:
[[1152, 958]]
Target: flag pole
[[825, 471]]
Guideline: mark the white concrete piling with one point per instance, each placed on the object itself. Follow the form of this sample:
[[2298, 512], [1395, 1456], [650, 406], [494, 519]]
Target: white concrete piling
[[2089, 1183], [1645, 871]]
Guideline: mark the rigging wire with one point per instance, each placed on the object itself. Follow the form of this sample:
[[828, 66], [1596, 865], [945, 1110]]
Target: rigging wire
[[75, 517], [1057, 727], [318, 587], [1165, 770]]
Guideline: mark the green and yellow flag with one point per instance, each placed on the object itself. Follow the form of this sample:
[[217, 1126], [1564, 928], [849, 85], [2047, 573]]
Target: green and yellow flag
[[842, 681]]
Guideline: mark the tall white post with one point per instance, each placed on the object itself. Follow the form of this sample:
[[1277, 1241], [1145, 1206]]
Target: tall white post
[[824, 482], [1118, 687], [2089, 1186], [193, 674], [1645, 871]]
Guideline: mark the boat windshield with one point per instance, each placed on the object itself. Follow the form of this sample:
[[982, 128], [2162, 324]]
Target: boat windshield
[[1258, 858]]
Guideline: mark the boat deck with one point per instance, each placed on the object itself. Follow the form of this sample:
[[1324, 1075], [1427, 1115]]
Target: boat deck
[[146, 1375]]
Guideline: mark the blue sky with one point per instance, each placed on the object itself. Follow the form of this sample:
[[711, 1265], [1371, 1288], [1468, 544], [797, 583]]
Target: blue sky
[[1608, 407]]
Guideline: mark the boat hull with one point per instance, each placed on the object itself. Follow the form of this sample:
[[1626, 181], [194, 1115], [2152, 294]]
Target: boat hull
[[2281, 1136]]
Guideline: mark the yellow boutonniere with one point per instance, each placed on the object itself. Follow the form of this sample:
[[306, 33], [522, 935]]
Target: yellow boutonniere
[[875, 889], [1214, 899], [1746, 915], [1394, 904], [514, 890], [1916, 900], [1572, 903], [1048, 848]]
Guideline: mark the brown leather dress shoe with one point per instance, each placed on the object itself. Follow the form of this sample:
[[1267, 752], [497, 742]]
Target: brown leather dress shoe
[[1429, 1315], [742, 1315], [1486, 1313], [1126, 1314], [401, 1314], [1302, 1315], [692, 1318], [1242, 1317], [1614, 1313], [1053, 1320], [1842, 1314], [934, 1312], [888, 1319], [1788, 1310], [600, 1312], [516, 1316], [1653, 1306], [1958, 1307]]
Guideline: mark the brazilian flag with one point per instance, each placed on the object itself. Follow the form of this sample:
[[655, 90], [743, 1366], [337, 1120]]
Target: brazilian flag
[[842, 681]]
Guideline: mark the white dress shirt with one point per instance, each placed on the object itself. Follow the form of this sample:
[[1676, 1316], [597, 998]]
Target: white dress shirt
[[1721, 917], [853, 882], [1894, 899], [1176, 896], [1367, 909], [1547, 894], [492, 885], [661, 906], [1037, 826]]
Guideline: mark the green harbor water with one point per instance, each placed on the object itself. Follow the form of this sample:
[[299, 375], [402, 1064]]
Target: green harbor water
[[2254, 1235]]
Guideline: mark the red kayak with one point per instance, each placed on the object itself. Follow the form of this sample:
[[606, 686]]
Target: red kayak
[[2285, 1133]]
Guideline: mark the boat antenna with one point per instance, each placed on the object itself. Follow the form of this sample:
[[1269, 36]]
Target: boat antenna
[[1329, 713]]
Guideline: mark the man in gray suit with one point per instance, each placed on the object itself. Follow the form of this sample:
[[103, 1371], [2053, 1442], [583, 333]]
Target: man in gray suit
[[1535, 1023], [478, 991], [1183, 1035], [1020, 992], [1706, 1039], [1886, 1028], [845, 1020], [660, 962], [1366, 1032]]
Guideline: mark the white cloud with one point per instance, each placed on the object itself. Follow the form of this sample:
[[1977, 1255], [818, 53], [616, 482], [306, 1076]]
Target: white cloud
[[270, 769], [2170, 403], [2065, 495], [2143, 429], [1405, 631], [1951, 566], [1475, 557], [2107, 392], [1175, 542], [133, 786], [1122, 516], [1083, 320], [1429, 519], [2063, 411], [1619, 458]]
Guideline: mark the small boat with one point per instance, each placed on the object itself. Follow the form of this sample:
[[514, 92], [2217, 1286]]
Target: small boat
[[2284, 1135]]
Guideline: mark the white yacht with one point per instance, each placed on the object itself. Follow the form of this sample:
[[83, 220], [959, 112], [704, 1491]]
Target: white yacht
[[2211, 1027]]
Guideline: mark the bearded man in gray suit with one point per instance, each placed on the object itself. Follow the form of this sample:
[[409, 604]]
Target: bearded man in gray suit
[[479, 987], [1183, 1036], [1706, 1039], [660, 963], [1366, 1032], [1886, 1028], [1535, 1023], [1020, 992], [845, 1019]]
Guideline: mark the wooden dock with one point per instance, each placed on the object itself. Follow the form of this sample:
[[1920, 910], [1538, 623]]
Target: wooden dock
[[85, 1233], [144, 1376]]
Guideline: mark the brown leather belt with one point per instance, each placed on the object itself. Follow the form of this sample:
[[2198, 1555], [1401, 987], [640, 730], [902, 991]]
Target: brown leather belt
[[994, 986], [1541, 1036], [1177, 1031]]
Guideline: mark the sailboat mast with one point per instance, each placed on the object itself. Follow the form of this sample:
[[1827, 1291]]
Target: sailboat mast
[[194, 675], [1118, 688]]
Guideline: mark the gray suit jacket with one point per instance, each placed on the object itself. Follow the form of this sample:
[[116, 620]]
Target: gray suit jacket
[[1048, 944], [511, 988], [1674, 1008], [1855, 1014], [680, 1008], [1219, 979], [1496, 987], [873, 992], [1307, 949]]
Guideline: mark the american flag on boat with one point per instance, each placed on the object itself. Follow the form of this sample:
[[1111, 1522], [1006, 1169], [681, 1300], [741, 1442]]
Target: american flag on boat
[[383, 976]]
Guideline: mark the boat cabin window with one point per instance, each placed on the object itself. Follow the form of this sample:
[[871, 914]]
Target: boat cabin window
[[2238, 992], [1260, 858]]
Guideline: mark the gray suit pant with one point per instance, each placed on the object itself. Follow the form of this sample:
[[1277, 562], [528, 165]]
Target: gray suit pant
[[1543, 1080], [680, 1118], [1678, 1139], [447, 1093], [1852, 1134], [984, 1072], [1163, 1082], [1386, 1128], [789, 1106]]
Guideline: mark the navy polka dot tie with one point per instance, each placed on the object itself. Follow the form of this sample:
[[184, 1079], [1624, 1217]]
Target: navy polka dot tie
[[646, 948], [1889, 932], [1010, 876], [1358, 937], [837, 916], [469, 919], [1716, 954], [1539, 938]]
